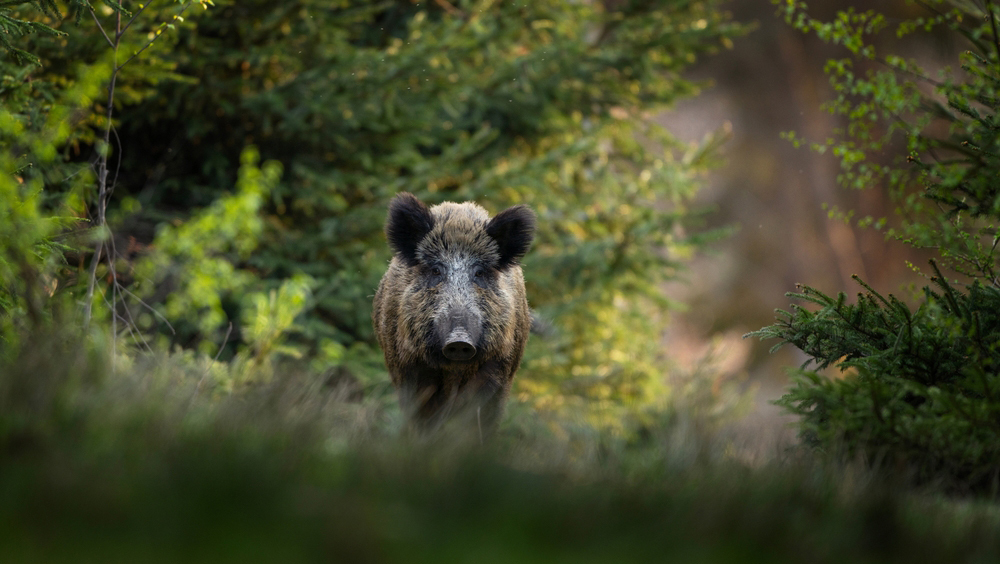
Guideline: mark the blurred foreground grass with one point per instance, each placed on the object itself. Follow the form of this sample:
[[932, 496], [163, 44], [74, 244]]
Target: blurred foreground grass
[[144, 462]]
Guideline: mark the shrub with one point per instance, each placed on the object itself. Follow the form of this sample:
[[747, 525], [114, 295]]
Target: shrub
[[920, 387], [547, 103]]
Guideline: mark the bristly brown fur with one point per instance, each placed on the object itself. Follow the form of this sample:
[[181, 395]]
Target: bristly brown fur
[[408, 304]]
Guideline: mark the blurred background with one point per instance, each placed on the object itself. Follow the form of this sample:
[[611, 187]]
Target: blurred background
[[192, 199], [778, 197], [254, 149]]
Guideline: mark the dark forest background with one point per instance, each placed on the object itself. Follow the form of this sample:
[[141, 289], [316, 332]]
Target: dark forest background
[[192, 197]]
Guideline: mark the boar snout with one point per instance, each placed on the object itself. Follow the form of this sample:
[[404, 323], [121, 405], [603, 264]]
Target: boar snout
[[461, 332], [459, 346]]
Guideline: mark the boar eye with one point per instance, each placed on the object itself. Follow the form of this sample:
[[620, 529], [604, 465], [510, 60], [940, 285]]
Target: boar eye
[[436, 270], [479, 276]]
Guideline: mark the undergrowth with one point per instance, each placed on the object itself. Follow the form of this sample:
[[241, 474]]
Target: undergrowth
[[150, 459]]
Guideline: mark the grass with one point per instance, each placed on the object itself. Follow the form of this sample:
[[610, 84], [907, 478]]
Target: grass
[[150, 465]]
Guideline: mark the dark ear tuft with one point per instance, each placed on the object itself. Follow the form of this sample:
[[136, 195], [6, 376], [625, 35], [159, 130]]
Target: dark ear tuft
[[513, 229], [409, 221]]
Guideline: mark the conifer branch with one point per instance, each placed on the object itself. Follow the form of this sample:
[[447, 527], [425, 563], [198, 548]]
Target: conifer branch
[[13, 27], [993, 27]]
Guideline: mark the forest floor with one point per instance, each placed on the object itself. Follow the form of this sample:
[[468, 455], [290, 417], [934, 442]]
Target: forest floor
[[146, 465]]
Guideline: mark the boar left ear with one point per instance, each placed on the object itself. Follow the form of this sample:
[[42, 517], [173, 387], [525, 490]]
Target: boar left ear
[[512, 229], [409, 221]]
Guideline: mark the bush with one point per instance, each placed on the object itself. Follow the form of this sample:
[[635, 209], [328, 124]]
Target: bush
[[545, 103], [920, 388]]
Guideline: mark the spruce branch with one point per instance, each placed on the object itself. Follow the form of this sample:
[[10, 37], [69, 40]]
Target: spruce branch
[[993, 27], [11, 27]]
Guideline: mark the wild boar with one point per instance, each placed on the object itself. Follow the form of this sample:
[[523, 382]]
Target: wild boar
[[451, 313]]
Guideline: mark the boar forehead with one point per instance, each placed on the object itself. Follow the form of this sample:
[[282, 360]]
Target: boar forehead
[[459, 236]]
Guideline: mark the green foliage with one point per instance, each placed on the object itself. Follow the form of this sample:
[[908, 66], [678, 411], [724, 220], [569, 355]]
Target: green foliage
[[940, 124], [28, 90], [270, 317], [11, 25], [194, 260], [919, 388], [471, 107], [40, 208], [33, 269], [45, 194], [51, 116], [151, 466], [544, 103]]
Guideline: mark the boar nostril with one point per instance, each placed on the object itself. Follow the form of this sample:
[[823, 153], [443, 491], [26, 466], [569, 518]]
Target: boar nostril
[[459, 350]]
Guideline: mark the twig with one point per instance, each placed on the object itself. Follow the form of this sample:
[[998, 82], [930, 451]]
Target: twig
[[224, 341], [156, 35], [92, 277], [118, 167], [101, 28], [117, 315], [151, 309], [885, 62], [448, 7], [102, 176], [115, 285], [128, 24], [131, 323], [216, 359]]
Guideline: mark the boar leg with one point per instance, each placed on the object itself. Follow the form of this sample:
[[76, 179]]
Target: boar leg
[[489, 388], [425, 397]]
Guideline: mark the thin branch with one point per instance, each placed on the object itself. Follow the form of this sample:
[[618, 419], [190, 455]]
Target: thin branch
[[131, 323], [102, 197], [101, 28], [156, 35], [224, 341], [91, 280], [136, 334], [102, 180], [134, 16], [112, 257], [105, 189], [209, 368], [936, 83], [151, 309], [118, 167], [448, 7]]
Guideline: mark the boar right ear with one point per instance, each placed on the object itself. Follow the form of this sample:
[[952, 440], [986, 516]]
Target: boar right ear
[[408, 222], [512, 229]]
